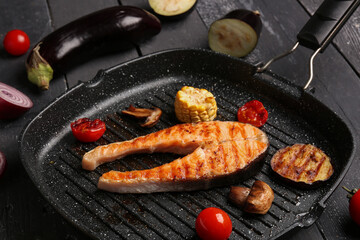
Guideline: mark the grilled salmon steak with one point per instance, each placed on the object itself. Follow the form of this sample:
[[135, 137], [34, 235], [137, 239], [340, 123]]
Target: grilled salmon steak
[[218, 153], [302, 163], [180, 139]]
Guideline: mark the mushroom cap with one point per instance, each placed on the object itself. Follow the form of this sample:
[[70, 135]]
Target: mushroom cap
[[238, 195], [260, 198]]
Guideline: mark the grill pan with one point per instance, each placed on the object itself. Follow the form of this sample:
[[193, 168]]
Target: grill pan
[[52, 157]]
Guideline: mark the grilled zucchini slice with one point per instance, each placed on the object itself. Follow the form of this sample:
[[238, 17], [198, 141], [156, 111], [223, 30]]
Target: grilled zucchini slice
[[302, 163], [195, 105]]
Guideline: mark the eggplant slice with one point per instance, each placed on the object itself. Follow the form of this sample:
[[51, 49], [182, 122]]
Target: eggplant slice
[[171, 7], [302, 164], [236, 34]]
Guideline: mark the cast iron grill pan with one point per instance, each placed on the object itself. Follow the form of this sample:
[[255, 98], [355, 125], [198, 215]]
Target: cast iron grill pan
[[52, 156]]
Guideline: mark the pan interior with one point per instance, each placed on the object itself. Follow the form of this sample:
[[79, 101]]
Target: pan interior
[[52, 156]]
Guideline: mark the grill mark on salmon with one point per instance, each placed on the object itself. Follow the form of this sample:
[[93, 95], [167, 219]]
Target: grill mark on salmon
[[236, 153], [218, 153], [210, 165], [180, 139]]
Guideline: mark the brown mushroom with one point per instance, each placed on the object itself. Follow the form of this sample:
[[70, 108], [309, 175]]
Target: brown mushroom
[[152, 115], [238, 195], [257, 200], [260, 198]]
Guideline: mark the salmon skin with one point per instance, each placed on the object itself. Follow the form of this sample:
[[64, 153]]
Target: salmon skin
[[218, 153]]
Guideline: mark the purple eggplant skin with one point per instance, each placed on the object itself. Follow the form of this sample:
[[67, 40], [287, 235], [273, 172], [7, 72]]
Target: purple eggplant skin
[[108, 30], [250, 17], [235, 34]]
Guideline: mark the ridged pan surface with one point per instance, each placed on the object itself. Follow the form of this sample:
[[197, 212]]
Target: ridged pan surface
[[52, 157]]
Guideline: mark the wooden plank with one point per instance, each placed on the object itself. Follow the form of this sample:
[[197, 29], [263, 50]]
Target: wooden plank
[[36, 24], [279, 30], [184, 32], [333, 65], [23, 211], [36, 219], [63, 12], [348, 38], [335, 222]]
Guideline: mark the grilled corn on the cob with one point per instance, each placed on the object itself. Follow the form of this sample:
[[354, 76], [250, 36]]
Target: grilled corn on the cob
[[195, 105]]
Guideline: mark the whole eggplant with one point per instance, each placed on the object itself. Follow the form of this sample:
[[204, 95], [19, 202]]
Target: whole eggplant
[[111, 29]]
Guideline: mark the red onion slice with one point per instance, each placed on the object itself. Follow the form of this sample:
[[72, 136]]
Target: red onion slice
[[2, 164], [13, 103]]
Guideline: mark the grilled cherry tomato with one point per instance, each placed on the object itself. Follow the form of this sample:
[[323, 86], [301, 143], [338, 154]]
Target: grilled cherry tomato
[[213, 224], [253, 112], [354, 206], [86, 130], [16, 42]]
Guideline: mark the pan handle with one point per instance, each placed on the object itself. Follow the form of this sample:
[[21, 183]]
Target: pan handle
[[326, 23], [320, 29]]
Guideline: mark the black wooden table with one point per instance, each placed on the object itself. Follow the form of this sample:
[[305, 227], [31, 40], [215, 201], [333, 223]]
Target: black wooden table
[[24, 214]]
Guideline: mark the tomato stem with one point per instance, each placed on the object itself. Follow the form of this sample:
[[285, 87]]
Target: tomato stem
[[351, 192]]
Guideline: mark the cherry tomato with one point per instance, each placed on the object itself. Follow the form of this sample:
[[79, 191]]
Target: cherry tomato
[[253, 112], [86, 130], [213, 224], [16, 42], [354, 207]]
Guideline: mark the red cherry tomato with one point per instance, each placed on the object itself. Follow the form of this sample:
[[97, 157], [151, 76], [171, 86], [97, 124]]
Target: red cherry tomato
[[213, 224], [16, 42], [86, 130], [253, 112], [354, 207]]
